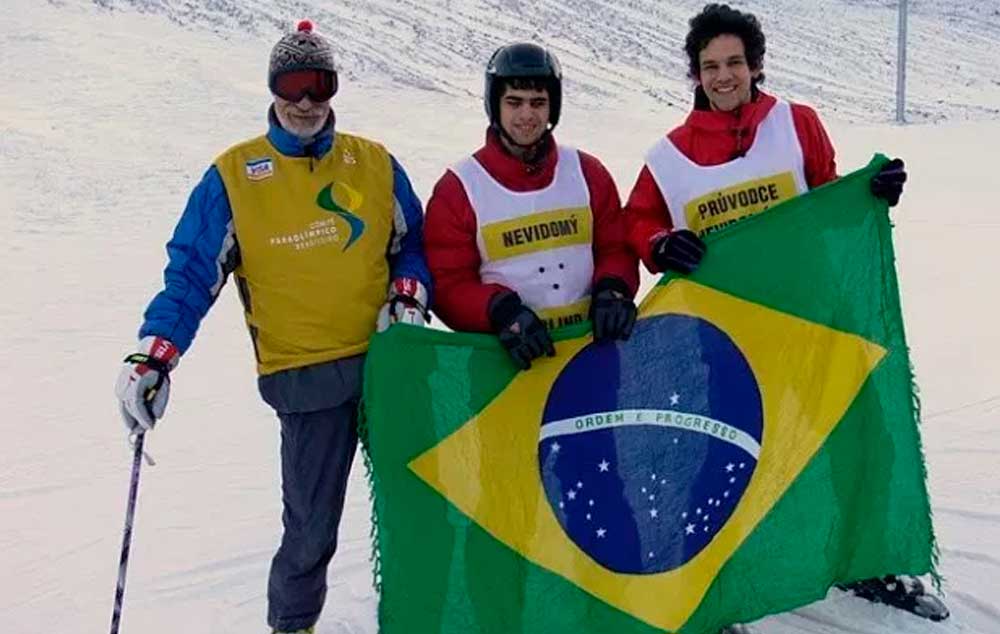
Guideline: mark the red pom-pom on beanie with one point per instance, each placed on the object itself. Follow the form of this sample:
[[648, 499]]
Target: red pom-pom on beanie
[[305, 25]]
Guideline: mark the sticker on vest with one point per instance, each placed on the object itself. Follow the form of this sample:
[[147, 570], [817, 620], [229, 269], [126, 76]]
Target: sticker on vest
[[557, 317], [724, 207], [259, 169], [344, 201], [537, 232]]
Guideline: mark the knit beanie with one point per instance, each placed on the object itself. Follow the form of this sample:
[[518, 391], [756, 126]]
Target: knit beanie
[[302, 50]]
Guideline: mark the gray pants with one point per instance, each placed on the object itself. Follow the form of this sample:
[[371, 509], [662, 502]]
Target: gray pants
[[318, 443]]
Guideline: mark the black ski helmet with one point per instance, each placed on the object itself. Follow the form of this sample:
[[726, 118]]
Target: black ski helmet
[[522, 61]]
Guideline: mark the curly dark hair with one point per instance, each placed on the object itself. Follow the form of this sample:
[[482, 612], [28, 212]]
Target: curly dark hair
[[721, 19]]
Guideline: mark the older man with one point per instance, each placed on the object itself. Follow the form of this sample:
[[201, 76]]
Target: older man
[[322, 231]]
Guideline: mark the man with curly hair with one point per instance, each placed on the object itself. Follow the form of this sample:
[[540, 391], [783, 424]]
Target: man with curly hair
[[737, 139], [740, 152]]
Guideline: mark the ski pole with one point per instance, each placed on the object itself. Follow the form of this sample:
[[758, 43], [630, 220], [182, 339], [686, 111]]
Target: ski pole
[[133, 491]]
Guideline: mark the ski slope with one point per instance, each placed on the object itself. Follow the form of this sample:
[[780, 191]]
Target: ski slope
[[110, 112], [838, 52]]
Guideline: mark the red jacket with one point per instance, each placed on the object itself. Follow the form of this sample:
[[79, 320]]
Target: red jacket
[[710, 137], [460, 297]]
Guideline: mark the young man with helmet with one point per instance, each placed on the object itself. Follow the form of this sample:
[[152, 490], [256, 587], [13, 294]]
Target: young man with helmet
[[322, 232], [527, 235], [740, 152]]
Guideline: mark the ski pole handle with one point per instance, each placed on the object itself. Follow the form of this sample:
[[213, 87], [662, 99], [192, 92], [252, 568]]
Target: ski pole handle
[[133, 492]]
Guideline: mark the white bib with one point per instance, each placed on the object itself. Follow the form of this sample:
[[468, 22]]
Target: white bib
[[705, 199], [537, 243]]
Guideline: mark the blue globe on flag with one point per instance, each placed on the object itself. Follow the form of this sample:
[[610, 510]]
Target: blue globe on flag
[[647, 446]]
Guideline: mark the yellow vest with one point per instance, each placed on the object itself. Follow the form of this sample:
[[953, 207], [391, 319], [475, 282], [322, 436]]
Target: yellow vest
[[313, 236]]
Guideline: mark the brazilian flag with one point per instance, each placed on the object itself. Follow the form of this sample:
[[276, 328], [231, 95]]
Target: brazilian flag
[[753, 443]]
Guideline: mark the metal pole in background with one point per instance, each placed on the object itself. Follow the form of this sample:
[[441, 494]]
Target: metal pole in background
[[901, 65]]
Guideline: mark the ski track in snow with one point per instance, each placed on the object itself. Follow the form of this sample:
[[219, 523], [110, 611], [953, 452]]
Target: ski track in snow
[[112, 110], [974, 556], [837, 52]]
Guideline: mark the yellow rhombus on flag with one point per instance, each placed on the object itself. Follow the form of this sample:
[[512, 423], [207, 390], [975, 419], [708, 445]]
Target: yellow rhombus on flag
[[808, 376]]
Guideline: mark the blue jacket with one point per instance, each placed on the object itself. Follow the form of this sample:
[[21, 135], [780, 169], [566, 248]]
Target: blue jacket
[[203, 250]]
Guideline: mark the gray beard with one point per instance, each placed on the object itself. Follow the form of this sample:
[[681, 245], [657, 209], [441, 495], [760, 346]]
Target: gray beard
[[306, 140]]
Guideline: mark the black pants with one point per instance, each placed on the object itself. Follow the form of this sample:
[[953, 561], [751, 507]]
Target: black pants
[[317, 449], [317, 407]]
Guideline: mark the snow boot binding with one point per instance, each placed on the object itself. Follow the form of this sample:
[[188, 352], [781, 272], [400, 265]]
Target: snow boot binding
[[902, 592]]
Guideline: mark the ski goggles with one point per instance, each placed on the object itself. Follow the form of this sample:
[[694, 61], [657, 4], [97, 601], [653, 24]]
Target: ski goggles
[[318, 85]]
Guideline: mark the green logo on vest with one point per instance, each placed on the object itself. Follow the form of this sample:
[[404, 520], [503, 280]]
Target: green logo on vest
[[327, 199]]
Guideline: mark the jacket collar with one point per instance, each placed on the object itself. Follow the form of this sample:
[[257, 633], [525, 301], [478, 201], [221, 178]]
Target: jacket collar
[[291, 145], [513, 172]]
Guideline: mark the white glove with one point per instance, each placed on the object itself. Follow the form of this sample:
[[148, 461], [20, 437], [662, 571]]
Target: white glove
[[143, 386], [407, 304]]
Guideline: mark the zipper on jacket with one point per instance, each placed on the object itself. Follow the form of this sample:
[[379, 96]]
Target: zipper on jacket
[[310, 151]]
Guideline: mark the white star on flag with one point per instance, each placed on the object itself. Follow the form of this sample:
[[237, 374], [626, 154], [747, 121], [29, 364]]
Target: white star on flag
[[603, 466], [730, 467], [554, 447], [601, 533], [675, 398], [653, 512], [689, 529], [571, 494]]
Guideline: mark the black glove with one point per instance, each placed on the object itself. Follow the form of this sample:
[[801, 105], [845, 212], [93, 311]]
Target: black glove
[[521, 332], [887, 184], [612, 311], [679, 250]]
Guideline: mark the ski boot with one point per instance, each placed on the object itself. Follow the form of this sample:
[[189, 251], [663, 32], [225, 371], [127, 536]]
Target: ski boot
[[901, 592]]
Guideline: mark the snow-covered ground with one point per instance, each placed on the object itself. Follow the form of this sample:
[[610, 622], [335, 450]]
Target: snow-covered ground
[[840, 52], [109, 116]]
